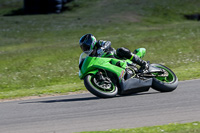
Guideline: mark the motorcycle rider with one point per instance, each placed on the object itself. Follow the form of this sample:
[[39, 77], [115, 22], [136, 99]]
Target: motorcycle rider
[[97, 48]]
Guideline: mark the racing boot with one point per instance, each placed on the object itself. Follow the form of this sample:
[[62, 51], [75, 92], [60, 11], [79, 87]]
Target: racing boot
[[127, 54], [143, 64]]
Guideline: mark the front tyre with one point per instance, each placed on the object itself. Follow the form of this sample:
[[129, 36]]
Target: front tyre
[[165, 84], [103, 90]]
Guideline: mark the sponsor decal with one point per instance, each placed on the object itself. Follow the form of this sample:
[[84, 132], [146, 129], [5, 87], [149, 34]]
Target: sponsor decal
[[121, 75]]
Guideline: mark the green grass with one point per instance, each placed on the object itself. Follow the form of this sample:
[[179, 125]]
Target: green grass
[[39, 53], [193, 127]]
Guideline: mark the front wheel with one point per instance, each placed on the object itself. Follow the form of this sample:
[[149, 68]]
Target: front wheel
[[101, 88], [165, 84]]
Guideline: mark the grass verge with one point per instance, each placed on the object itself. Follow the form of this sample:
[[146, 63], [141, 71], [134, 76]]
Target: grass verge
[[39, 53], [193, 127]]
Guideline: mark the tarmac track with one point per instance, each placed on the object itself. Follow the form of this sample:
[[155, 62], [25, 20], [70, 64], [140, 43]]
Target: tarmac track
[[85, 112]]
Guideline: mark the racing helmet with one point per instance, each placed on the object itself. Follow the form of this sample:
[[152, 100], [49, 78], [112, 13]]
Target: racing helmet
[[87, 42]]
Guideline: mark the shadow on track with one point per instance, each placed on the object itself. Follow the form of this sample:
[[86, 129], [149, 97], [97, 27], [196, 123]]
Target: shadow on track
[[86, 98], [64, 100], [139, 94]]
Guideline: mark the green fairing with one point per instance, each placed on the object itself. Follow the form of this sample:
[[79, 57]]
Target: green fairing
[[92, 64], [140, 52]]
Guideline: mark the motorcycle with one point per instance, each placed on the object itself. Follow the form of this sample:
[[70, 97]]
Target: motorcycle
[[107, 77]]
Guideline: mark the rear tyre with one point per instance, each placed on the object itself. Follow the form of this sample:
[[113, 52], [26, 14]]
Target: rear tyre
[[165, 84], [103, 90]]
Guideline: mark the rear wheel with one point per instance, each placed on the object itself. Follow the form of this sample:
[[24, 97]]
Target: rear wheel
[[164, 83], [103, 88]]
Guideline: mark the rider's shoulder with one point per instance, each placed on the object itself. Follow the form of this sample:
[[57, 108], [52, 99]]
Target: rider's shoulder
[[103, 42]]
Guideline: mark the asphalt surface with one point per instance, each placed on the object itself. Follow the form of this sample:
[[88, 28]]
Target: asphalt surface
[[85, 112]]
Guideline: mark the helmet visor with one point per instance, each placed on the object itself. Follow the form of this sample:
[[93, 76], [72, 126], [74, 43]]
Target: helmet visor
[[85, 47]]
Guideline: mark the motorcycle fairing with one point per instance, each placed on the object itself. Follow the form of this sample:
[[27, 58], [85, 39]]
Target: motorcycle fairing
[[94, 63], [136, 85]]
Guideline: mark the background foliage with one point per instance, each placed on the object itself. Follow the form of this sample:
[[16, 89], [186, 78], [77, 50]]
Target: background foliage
[[39, 53]]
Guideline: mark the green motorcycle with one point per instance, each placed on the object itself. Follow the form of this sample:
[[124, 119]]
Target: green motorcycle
[[107, 77]]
